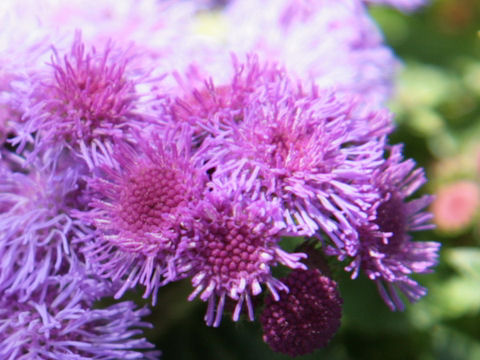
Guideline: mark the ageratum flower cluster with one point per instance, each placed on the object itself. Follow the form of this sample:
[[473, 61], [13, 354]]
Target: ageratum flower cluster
[[163, 154]]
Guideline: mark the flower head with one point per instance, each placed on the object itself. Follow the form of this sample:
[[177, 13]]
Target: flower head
[[84, 102], [210, 105], [456, 205], [305, 318], [335, 43], [237, 244], [142, 208], [384, 250], [309, 149], [36, 225], [59, 322]]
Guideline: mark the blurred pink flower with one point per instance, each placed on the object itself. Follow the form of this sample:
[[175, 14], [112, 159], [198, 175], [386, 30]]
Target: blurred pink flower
[[456, 205]]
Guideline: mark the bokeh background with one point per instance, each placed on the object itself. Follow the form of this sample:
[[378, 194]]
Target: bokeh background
[[437, 106]]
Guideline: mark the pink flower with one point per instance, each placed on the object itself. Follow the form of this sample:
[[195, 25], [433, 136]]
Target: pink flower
[[456, 205]]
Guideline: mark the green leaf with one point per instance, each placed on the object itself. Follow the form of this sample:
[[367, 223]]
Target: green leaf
[[465, 260]]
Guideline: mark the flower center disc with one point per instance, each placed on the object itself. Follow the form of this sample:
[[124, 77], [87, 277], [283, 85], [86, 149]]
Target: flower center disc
[[150, 196]]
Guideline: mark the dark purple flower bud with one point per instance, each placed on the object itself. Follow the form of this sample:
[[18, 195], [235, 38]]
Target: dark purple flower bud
[[305, 318]]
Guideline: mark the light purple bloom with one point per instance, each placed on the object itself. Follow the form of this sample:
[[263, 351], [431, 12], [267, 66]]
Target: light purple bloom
[[236, 245], [142, 208], [308, 148], [384, 250], [83, 101], [36, 225], [305, 318], [58, 322], [211, 106], [148, 164], [335, 43]]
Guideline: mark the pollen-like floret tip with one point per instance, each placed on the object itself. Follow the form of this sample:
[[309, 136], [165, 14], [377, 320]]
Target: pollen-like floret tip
[[142, 210], [305, 318], [60, 320]]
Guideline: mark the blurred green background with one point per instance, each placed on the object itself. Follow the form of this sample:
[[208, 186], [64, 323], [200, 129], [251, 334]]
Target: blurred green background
[[437, 103]]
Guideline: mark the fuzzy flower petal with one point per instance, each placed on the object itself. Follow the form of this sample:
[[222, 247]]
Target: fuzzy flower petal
[[36, 226], [208, 104]]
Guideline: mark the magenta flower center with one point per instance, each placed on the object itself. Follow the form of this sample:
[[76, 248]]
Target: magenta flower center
[[230, 250], [91, 94], [391, 217], [149, 196], [282, 147]]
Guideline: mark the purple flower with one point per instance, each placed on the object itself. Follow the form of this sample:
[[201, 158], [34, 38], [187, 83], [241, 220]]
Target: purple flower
[[385, 251], [309, 149], [142, 209], [235, 247], [335, 43], [59, 322], [83, 102], [36, 224], [305, 318], [210, 106]]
